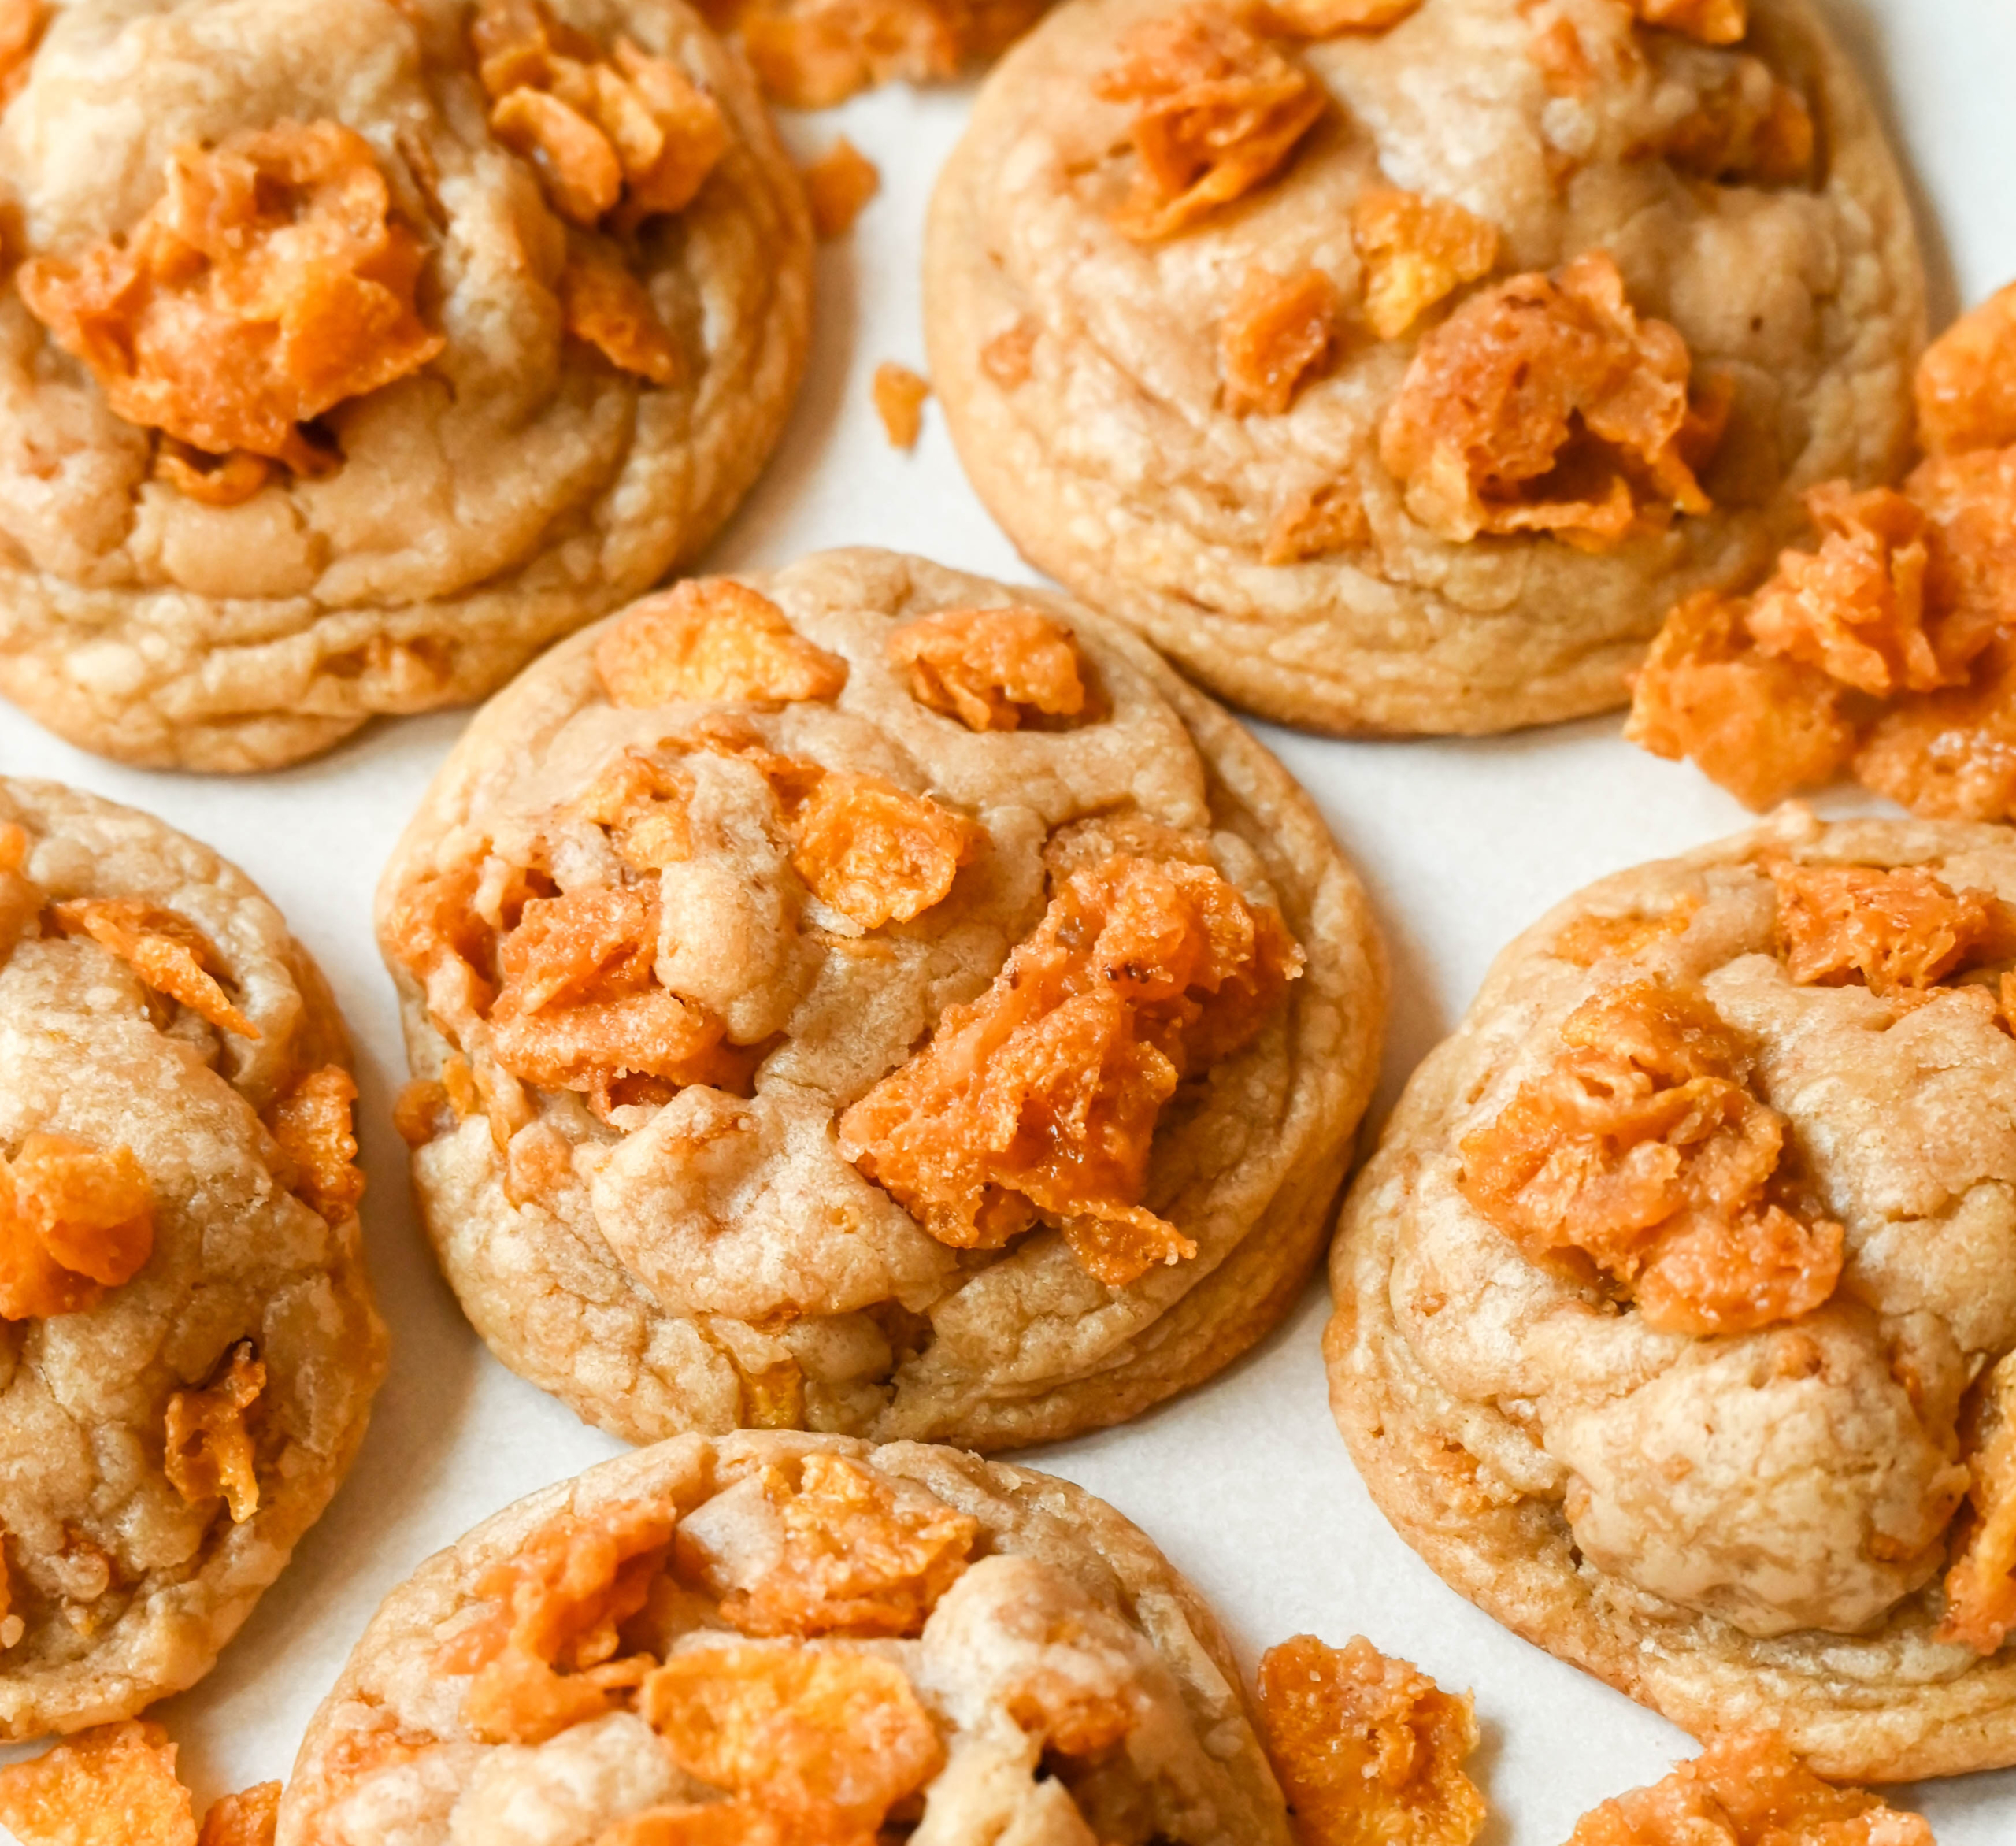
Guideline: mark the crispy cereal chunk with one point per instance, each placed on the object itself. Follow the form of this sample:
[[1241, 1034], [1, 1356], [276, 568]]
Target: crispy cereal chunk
[[838, 186], [1220, 111], [1546, 405], [1981, 1588], [876, 853], [994, 669], [1009, 358], [709, 1823], [545, 1657], [113, 1786], [712, 639], [250, 1818], [1951, 756], [270, 283], [21, 22], [812, 54], [1713, 22], [900, 395], [1039, 1101], [74, 1222], [601, 302], [644, 804], [1898, 931], [1967, 381], [1416, 252], [1370, 1751], [1591, 939], [312, 1123], [209, 1450], [1327, 19], [1315, 522], [1276, 338], [167, 952], [1750, 129]]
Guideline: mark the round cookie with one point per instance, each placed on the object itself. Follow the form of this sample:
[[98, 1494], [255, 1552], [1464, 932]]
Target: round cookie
[[1675, 1311], [345, 361], [1399, 380], [866, 998], [787, 1627], [188, 1348]]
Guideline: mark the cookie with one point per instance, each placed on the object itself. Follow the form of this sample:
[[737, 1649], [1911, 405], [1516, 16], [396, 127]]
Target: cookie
[[188, 1348], [1675, 1313], [1399, 378], [866, 998], [789, 1632], [354, 349]]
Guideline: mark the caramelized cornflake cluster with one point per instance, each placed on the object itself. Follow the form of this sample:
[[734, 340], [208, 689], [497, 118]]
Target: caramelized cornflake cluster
[[878, 853], [312, 1124], [1546, 405], [900, 395], [1748, 1790], [838, 186], [711, 639], [1641, 1157], [812, 54], [21, 22], [1591, 939], [1416, 252], [1713, 22], [1751, 129], [269, 284], [1368, 1750], [1038, 1102], [1886, 650], [210, 1453], [167, 952], [1898, 932], [1981, 1588], [993, 669], [1275, 337], [118, 1782], [75, 1221], [1219, 112]]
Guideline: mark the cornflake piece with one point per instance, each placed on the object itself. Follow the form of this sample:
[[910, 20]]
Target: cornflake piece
[[1417, 251], [1750, 129], [1546, 405], [113, 1785], [1951, 756], [838, 185], [1276, 338], [167, 952], [209, 1448], [854, 1561], [1039, 1101], [545, 1658], [1315, 522], [21, 22], [1967, 381], [249, 1818], [1713, 22], [900, 395], [710, 1823], [270, 285], [712, 639], [1900, 930], [876, 853], [643, 803], [1220, 110], [12, 1626], [1370, 1751], [1592, 938], [1748, 1789], [1326, 19], [228, 481], [1010, 358], [994, 669], [814, 53], [312, 1123], [1558, 53], [601, 302], [1981, 1588], [74, 1222]]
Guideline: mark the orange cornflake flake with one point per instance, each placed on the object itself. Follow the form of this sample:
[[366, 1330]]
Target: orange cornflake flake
[[21, 22], [12, 1626], [1981, 1588], [1546, 405], [1327, 19], [1900, 931], [1010, 358], [711, 638], [74, 1222], [1967, 381], [13, 847], [601, 302], [876, 853], [1220, 112], [113, 1785], [1368, 1751], [838, 186], [1642, 1156], [1315, 522], [250, 1818], [545, 1657], [312, 1123], [1275, 338], [269, 284], [1558, 53], [854, 1560], [620, 129], [1592, 938], [994, 669], [167, 952], [210, 1447], [1039, 1101], [709, 1823], [1713, 22], [900, 395], [1416, 251], [643, 803], [814, 53], [1748, 1789], [1750, 129], [214, 481]]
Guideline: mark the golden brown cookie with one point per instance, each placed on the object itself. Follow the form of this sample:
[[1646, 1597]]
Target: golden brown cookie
[[1399, 379], [352, 350], [187, 1345], [1675, 1312], [864, 997]]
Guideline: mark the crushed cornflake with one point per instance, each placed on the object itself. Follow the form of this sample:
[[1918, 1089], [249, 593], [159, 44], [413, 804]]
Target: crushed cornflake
[[1557, 51], [215, 480], [1966, 382], [1981, 1588], [1546, 405], [270, 283], [1039, 1101], [249, 1817], [75, 1221], [1326, 19], [167, 952], [900, 395], [643, 803], [545, 1656], [1368, 1750], [1750, 129], [1713, 22], [814, 53], [1748, 1789], [113, 1785], [1642, 1158], [1220, 111], [312, 1123], [707, 1823], [1899, 931], [209, 1449], [603, 304], [838, 186], [993, 669], [1275, 338], [1416, 252], [878, 853], [1316, 521], [1591, 939], [21, 22], [13, 1626], [1009, 358], [712, 639]]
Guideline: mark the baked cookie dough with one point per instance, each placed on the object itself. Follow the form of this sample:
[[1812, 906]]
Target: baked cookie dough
[[866, 998], [1676, 1314], [799, 1637], [1399, 379], [352, 350], [187, 1345]]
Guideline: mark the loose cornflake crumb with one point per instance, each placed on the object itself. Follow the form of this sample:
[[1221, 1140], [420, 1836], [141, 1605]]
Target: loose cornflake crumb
[[1981, 1588], [994, 669], [312, 1123], [75, 1221], [167, 952], [1900, 931], [1220, 112], [1276, 338], [1039, 1101], [1370, 1751], [1416, 251], [209, 1448], [712, 639], [876, 853], [838, 186], [900, 395]]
